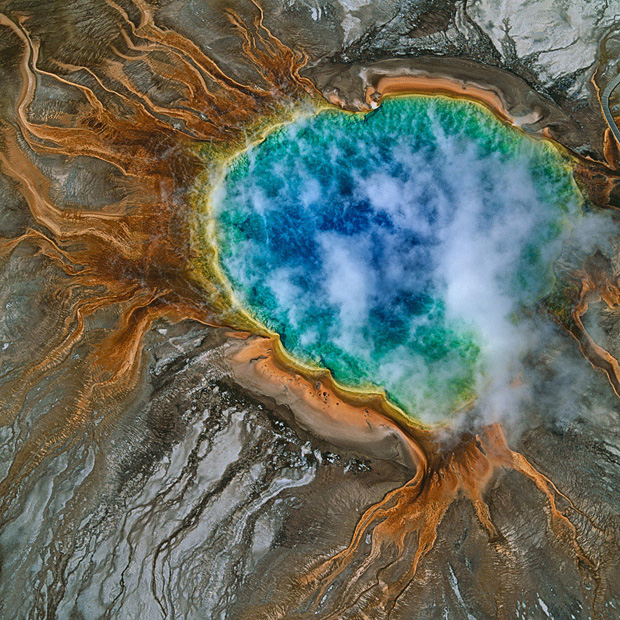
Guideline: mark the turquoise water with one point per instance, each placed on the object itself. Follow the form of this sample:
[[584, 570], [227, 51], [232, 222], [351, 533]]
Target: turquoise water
[[398, 248]]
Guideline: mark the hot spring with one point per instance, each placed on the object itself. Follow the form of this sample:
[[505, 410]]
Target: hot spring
[[402, 249]]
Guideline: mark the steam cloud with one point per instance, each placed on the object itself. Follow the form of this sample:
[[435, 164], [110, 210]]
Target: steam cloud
[[400, 249]]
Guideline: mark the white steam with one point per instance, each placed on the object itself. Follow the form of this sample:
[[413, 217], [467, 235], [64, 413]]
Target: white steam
[[459, 222]]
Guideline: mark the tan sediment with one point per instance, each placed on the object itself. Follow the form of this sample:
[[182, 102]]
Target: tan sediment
[[439, 85], [358, 421]]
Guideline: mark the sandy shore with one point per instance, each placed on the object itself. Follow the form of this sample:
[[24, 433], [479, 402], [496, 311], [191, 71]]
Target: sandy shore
[[254, 362], [437, 85]]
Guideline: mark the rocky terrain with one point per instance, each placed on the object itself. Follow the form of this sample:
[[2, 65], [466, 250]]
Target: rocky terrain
[[165, 487]]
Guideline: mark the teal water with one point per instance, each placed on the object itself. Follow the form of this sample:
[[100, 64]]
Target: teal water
[[398, 248]]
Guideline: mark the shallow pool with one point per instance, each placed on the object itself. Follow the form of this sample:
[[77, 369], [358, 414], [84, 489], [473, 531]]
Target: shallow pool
[[398, 248]]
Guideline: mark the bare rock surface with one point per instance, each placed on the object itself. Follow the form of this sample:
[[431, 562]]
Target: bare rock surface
[[201, 499]]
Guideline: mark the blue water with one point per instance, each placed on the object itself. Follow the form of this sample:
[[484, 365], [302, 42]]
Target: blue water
[[398, 248]]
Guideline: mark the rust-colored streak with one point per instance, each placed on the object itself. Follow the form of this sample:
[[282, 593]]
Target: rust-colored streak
[[395, 535], [129, 261], [611, 149], [598, 283]]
